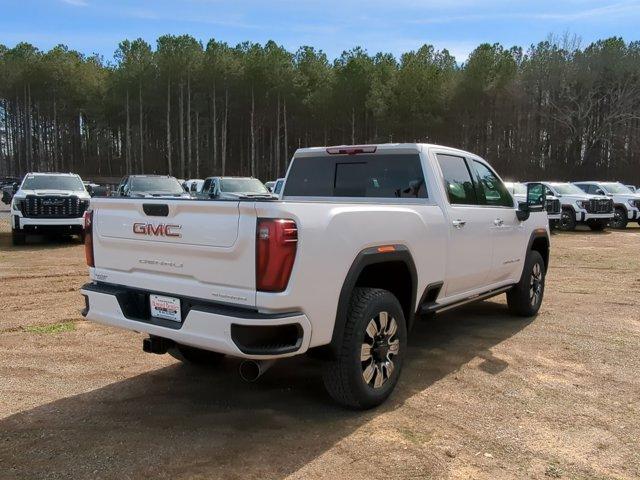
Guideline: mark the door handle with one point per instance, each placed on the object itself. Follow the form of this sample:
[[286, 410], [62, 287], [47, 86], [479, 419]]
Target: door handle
[[459, 223], [498, 222]]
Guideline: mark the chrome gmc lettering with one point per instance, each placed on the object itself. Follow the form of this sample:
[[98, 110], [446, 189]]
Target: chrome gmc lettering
[[160, 230]]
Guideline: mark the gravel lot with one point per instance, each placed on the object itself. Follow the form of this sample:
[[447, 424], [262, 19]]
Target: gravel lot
[[484, 395]]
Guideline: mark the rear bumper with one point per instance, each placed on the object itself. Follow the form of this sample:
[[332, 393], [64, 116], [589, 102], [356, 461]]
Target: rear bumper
[[232, 331]]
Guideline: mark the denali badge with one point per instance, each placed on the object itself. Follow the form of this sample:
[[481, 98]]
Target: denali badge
[[160, 230], [52, 202]]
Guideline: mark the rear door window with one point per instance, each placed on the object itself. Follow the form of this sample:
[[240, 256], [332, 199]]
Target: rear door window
[[457, 180], [363, 175]]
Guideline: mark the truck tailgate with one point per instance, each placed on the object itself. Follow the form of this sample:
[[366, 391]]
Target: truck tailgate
[[200, 249]]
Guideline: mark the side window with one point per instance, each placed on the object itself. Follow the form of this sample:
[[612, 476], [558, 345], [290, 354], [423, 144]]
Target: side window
[[457, 180], [491, 187]]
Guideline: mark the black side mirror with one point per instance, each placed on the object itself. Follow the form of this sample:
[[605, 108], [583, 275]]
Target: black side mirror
[[536, 198]]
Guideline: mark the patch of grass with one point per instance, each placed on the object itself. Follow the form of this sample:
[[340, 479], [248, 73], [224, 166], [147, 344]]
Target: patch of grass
[[553, 471], [53, 328]]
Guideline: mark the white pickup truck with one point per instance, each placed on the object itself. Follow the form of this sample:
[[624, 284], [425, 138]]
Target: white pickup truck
[[626, 202], [48, 203], [363, 240]]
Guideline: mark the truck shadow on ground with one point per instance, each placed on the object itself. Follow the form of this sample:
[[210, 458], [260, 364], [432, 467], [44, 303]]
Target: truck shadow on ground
[[39, 242], [179, 421]]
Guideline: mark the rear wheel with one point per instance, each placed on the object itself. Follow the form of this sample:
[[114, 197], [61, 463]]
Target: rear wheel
[[525, 298], [195, 356], [567, 220], [371, 352], [18, 237], [619, 219]]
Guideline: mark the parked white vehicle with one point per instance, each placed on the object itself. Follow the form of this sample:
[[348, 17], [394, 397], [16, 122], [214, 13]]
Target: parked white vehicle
[[596, 211], [626, 203], [363, 240], [552, 203], [48, 203]]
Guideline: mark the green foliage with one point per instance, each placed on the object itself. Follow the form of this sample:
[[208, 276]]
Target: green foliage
[[52, 328], [542, 112]]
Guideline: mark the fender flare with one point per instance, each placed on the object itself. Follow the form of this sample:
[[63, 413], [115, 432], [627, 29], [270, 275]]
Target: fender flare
[[367, 257], [540, 233]]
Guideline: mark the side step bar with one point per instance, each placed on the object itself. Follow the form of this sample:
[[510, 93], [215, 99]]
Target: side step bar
[[435, 307]]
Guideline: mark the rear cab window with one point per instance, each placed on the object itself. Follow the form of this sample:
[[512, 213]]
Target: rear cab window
[[375, 175]]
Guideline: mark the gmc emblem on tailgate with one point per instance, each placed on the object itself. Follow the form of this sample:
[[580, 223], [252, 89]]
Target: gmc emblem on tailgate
[[160, 230]]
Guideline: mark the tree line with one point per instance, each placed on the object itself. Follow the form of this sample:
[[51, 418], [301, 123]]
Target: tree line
[[554, 110]]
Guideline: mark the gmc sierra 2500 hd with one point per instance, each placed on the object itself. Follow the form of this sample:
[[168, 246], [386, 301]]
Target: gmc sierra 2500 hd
[[363, 240]]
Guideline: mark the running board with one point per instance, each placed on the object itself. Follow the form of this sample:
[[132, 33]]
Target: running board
[[434, 307]]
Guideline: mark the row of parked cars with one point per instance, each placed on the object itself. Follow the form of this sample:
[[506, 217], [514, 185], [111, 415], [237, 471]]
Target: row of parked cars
[[54, 203], [595, 204]]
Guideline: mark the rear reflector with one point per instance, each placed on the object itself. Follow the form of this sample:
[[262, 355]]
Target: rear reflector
[[351, 150], [88, 238], [276, 244]]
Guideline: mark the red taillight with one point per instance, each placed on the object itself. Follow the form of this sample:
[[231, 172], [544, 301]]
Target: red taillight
[[88, 238], [276, 243], [351, 150]]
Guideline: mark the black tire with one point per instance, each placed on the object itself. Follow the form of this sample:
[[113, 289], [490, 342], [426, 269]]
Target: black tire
[[195, 356], [619, 219], [553, 224], [597, 225], [567, 220], [525, 298], [18, 237], [345, 377]]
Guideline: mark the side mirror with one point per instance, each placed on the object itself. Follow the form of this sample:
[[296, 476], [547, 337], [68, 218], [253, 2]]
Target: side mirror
[[599, 192], [536, 198]]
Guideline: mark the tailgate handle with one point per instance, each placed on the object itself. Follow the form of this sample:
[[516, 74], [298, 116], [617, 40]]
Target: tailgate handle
[[155, 209]]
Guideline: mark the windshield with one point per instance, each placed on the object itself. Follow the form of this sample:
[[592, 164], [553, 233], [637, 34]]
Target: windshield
[[168, 185], [242, 185], [566, 189], [53, 182], [614, 187]]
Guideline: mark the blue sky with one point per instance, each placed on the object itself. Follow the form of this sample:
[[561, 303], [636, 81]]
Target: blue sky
[[96, 26]]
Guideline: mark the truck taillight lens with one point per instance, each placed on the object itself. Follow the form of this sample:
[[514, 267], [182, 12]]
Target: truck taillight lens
[[276, 244], [88, 238]]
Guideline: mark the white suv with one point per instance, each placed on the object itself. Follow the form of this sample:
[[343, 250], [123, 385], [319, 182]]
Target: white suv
[[626, 203], [48, 203]]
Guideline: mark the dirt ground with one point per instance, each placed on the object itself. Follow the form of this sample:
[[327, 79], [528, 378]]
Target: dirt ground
[[483, 395]]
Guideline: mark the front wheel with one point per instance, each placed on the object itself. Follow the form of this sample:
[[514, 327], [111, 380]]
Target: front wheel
[[525, 298], [372, 349], [619, 219], [567, 220]]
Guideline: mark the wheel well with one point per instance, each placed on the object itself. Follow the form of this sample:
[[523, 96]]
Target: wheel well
[[393, 276], [541, 245]]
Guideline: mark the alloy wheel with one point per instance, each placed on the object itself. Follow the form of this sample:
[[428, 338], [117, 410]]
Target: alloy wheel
[[535, 286], [379, 347]]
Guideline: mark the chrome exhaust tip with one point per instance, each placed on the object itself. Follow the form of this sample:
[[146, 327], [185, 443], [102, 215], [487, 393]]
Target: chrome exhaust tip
[[252, 370]]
